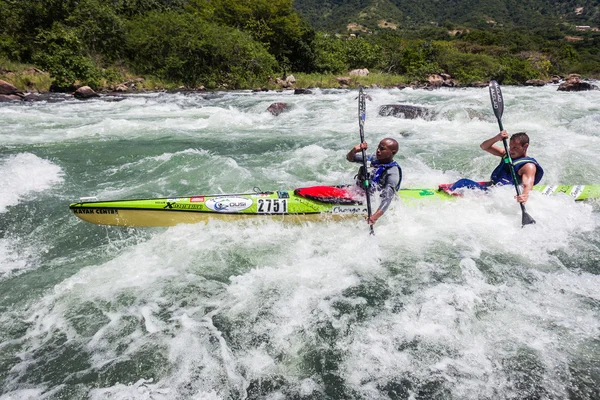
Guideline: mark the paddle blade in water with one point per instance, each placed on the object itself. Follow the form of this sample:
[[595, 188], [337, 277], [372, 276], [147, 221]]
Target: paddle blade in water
[[527, 219]]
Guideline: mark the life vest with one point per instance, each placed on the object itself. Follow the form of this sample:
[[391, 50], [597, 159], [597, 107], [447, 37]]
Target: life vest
[[378, 176], [502, 176]]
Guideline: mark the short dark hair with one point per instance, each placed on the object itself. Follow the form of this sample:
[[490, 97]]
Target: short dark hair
[[393, 144], [520, 137]]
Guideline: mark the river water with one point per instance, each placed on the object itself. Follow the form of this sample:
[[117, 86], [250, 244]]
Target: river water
[[447, 301]]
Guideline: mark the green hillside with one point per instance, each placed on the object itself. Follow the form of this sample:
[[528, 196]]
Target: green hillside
[[241, 44], [335, 15]]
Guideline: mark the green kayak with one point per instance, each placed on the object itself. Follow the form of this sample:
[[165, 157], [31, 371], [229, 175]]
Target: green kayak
[[313, 203]]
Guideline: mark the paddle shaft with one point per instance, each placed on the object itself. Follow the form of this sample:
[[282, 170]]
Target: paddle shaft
[[362, 115], [508, 160]]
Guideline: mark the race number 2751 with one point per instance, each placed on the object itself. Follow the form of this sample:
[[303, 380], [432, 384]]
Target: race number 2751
[[272, 206]]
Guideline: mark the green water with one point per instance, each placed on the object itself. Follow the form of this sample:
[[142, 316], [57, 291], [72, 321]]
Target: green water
[[446, 301]]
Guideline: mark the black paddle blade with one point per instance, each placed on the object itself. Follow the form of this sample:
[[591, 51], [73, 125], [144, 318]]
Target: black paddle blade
[[527, 219], [362, 107], [497, 101]]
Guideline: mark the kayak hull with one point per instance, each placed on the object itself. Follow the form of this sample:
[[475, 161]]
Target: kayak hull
[[283, 205], [279, 205], [149, 218]]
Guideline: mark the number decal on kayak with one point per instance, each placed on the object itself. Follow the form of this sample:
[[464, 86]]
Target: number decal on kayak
[[576, 191], [272, 206], [549, 189]]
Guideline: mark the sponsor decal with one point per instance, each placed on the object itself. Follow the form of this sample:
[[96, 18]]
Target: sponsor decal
[[426, 192], [106, 211], [228, 204], [348, 210], [94, 211], [174, 199], [308, 204], [197, 199], [549, 189], [496, 97], [83, 210], [577, 190], [177, 206]]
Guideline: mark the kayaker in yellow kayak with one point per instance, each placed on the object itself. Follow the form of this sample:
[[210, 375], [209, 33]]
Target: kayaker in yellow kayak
[[386, 175]]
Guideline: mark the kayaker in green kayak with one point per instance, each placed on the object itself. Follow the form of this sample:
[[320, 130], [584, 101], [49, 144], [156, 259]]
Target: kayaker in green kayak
[[527, 169], [385, 176]]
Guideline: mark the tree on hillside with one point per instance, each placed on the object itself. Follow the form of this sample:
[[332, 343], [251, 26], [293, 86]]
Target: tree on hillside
[[185, 48], [274, 23]]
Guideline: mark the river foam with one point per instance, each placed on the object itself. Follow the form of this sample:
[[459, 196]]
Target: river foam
[[24, 174], [447, 300]]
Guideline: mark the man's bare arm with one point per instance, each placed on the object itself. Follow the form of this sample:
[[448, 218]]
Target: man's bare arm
[[489, 145]]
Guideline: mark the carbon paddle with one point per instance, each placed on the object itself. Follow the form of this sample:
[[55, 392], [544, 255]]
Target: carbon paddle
[[498, 106], [362, 115]]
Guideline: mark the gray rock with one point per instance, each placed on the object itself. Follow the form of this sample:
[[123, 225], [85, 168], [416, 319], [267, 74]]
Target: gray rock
[[404, 111], [575, 85], [302, 91], [277, 108], [5, 98], [7, 88], [85, 92], [32, 97]]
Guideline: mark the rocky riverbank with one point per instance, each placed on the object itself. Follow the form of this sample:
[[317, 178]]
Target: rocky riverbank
[[9, 92]]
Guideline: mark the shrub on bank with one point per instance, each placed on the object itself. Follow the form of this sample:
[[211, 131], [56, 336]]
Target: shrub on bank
[[185, 48], [60, 53]]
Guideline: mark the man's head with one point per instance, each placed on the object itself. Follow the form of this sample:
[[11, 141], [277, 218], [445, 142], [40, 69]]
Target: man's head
[[519, 142], [386, 150]]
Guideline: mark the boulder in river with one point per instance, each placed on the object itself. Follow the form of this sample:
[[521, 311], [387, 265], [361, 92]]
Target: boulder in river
[[32, 97], [302, 91], [404, 111], [575, 84], [277, 108], [85, 92]]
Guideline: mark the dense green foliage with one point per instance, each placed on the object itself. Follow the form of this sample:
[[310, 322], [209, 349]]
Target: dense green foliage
[[478, 56], [334, 15], [83, 40], [274, 23], [241, 43], [186, 48]]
